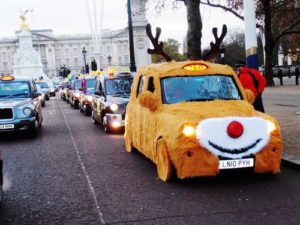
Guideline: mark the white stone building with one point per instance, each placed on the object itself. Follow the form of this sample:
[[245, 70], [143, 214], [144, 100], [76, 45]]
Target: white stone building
[[59, 50]]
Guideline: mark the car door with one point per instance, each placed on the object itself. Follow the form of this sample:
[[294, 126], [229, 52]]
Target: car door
[[136, 115], [149, 121]]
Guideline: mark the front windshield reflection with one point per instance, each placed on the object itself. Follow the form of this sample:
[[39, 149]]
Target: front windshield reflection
[[14, 89], [199, 88], [118, 86]]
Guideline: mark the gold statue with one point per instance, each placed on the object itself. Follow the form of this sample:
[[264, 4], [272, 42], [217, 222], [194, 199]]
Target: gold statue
[[24, 25]]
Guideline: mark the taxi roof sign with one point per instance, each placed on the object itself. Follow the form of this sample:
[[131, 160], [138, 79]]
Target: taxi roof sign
[[195, 67], [7, 78]]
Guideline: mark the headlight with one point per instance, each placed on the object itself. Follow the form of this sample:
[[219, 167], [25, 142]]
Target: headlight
[[114, 107], [89, 98], [271, 126], [40, 97], [27, 111], [188, 130], [77, 95]]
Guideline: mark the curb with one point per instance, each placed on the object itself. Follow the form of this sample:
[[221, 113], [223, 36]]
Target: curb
[[290, 162]]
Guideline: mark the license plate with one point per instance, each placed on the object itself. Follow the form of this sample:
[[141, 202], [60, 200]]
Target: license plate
[[6, 126], [236, 163]]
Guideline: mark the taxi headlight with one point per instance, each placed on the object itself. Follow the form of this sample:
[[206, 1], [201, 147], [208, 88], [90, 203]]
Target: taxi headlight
[[27, 111], [77, 95], [189, 131], [271, 126], [114, 107], [40, 97]]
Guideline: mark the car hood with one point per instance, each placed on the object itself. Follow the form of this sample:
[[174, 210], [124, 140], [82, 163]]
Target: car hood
[[118, 100], [9, 103], [194, 112]]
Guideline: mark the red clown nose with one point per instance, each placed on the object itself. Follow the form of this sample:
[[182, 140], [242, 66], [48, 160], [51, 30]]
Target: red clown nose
[[235, 129]]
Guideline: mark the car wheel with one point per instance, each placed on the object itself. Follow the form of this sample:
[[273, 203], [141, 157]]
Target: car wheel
[[43, 104], [87, 112], [163, 162], [33, 131], [93, 118], [128, 142], [106, 126]]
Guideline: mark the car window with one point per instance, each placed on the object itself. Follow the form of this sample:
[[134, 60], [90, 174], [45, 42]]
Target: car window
[[140, 86], [199, 88], [151, 86], [90, 84], [118, 86], [13, 89]]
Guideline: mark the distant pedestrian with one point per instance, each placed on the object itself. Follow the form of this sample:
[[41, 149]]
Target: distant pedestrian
[[252, 79]]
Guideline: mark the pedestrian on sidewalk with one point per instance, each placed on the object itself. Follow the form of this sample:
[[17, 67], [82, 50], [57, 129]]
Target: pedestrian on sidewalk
[[253, 80]]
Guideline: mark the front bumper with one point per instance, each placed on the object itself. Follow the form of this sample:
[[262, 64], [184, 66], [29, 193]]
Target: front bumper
[[115, 121], [17, 124]]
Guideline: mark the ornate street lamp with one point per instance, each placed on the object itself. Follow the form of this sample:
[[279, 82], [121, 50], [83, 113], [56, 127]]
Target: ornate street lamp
[[131, 45], [84, 59]]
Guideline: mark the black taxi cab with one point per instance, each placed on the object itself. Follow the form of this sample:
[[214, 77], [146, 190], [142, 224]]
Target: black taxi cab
[[110, 100], [74, 92], [86, 95], [64, 90], [20, 107]]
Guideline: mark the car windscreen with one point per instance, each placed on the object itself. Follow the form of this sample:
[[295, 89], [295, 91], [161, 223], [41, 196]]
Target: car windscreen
[[90, 84], [43, 84], [14, 89], [199, 88], [118, 86], [77, 84]]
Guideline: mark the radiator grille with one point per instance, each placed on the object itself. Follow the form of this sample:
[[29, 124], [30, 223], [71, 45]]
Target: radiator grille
[[6, 113]]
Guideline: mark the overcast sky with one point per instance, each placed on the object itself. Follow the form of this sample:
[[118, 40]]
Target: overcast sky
[[70, 17]]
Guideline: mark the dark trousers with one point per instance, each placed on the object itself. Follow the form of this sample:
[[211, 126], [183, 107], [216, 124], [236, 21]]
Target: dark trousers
[[258, 104]]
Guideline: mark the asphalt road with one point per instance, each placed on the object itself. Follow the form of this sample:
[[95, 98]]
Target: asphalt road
[[74, 173]]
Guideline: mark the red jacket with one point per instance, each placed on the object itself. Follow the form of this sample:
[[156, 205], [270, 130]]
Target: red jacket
[[247, 81]]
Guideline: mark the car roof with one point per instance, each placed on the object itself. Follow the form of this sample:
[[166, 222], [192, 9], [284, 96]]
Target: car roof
[[178, 68]]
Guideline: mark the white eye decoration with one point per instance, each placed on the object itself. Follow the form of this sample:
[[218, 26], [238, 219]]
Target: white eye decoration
[[233, 137]]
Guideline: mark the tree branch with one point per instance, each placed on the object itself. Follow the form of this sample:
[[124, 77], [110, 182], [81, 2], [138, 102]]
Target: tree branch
[[288, 30], [226, 9]]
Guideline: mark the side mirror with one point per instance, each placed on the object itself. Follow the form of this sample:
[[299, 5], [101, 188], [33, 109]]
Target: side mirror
[[148, 100], [250, 96], [36, 94]]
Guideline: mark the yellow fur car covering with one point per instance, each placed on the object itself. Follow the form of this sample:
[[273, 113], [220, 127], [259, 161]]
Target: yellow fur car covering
[[155, 129]]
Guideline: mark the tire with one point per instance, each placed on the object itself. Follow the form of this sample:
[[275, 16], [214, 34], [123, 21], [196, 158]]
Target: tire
[[107, 128], [43, 104], [93, 119], [163, 162], [87, 112], [128, 142]]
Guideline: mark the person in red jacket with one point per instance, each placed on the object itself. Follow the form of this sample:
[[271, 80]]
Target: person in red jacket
[[252, 79]]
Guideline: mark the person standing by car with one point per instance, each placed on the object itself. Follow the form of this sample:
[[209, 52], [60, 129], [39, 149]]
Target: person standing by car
[[253, 80]]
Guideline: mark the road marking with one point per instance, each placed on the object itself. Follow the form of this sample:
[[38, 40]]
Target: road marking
[[92, 189]]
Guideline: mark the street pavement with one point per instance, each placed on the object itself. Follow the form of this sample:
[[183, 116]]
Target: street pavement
[[74, 173], [283, 102]]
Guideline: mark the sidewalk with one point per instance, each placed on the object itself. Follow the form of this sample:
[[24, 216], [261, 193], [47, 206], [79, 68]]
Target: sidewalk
[[283, 102]]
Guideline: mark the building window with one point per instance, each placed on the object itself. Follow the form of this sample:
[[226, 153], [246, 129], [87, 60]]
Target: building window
[[67, 60], [120, 60], [76, 62], [5, 67], [125, 48], [126, 59]]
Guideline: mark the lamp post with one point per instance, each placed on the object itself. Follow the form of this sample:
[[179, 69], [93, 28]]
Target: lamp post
[[84, 59], [298, 56], [131, 45]]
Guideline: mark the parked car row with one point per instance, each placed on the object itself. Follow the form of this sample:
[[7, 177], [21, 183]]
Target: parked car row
[[104, 98]]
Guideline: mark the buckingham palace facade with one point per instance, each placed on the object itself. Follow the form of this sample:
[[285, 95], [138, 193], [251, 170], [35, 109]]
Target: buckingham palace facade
[[59, 50]]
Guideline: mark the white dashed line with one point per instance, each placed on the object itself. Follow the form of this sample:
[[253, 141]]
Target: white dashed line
[[84, 170]]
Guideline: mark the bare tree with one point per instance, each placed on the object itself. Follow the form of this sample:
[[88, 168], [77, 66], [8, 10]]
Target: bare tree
[[277, 18]]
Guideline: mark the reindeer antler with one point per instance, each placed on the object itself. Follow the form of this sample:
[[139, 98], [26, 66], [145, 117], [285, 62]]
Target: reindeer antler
[[215, 47], [158, 46]]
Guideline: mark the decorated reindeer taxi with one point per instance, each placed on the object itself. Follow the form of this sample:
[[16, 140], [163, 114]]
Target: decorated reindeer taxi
[[195, 117]]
